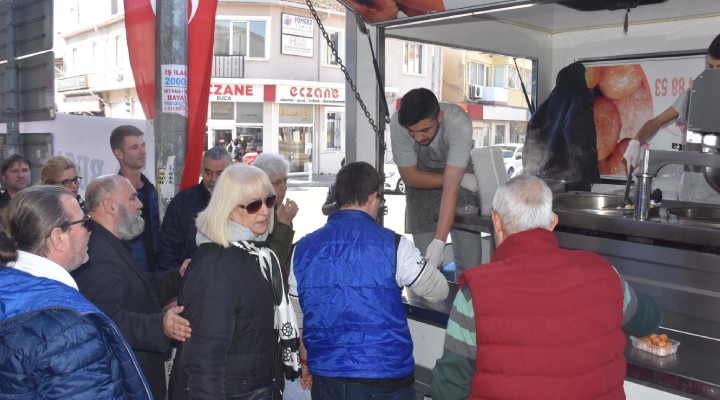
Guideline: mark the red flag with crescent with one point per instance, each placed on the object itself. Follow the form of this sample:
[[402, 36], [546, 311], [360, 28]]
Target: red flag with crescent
[[140, 31]]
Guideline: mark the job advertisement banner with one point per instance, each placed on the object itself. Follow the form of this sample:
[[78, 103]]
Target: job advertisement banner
[[630, 92]]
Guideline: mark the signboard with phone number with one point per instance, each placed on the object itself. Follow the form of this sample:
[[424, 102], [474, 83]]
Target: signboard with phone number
[[628, 93]]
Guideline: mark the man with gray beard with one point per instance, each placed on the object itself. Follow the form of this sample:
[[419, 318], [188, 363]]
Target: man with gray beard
[[130, 296]]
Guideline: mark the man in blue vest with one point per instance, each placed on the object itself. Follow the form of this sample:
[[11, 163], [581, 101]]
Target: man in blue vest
[[347, 279]]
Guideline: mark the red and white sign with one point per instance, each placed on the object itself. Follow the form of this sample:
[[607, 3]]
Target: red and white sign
[[311, 94], [237, 93], [140, 30]]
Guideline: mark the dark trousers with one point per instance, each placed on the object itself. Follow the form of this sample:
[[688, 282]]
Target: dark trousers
[[342, 389]]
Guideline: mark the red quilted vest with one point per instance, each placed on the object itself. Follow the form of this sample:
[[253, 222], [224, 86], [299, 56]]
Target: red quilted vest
[[548, 323]]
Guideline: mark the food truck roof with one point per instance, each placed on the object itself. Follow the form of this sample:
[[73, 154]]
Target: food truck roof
[[556, 35]]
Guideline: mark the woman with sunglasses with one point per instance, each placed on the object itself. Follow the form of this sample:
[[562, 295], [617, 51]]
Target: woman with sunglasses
[[61, 171], [244, 339]]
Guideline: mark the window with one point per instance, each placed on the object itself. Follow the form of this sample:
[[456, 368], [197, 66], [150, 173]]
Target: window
[[96, 58], [245, 38], [413, 58], [121, 51], [334, 125], [527, 79], [506, 76], [478, 74], [338, 43]]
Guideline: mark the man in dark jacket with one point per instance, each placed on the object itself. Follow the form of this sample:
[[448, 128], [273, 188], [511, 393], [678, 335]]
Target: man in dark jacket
[[133, 298], [15, 176], [55, 343], [561, 139], [524, 325], [128, 146], [177, 232]]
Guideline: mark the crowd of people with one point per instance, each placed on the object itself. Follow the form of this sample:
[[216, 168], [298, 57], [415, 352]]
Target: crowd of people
[[96, 294]]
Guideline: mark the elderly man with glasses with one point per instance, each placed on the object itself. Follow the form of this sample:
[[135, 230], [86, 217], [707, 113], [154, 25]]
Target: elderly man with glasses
[[112, 280], [55, 343]]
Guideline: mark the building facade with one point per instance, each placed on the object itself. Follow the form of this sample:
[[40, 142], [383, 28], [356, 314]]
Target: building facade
[[276, 85]]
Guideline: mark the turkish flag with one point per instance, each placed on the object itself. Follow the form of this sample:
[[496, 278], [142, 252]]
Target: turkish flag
[[140, 31]]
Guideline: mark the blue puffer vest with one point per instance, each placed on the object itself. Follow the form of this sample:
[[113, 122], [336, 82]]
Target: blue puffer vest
[[355, 325], [32, 308]]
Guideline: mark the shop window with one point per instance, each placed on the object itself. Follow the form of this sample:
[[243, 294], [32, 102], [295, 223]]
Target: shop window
[[499, 134], [334, 125], [245, 38], [413, 58], [222, 110], [295, 145], [338, 43], [250, 138], [222, 137]]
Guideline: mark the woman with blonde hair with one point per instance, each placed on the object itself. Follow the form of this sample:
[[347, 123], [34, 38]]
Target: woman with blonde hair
[[244, 339], [61, 171]]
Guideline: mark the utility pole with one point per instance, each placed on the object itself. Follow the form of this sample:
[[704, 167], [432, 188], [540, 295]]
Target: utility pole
[[12, 111], [171, 97]]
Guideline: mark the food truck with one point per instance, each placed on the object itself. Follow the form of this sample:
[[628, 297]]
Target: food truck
[[670, 251]]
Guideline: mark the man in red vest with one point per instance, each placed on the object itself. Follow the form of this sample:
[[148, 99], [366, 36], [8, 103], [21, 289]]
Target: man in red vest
[[539, 321]]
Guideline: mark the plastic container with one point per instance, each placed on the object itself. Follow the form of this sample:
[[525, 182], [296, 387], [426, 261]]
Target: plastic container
[[657, 350]]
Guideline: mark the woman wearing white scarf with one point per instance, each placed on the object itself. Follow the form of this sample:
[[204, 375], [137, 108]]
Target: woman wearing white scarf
[[244, 329]]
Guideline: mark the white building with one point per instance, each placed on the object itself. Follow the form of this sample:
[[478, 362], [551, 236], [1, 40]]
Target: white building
[[274, 83]]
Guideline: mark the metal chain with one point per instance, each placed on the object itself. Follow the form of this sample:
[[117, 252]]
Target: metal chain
[[380, 135]]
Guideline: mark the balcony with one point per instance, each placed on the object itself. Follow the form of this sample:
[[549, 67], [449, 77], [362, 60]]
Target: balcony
[[225, 66]]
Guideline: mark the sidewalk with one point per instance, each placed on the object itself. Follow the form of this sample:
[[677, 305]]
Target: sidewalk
[[318, 180]]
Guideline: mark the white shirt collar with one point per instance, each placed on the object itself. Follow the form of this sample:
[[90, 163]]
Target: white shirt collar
[[43, 268]]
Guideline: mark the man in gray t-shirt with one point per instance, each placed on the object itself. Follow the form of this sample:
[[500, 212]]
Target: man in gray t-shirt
[[431, 145], [692, 185]]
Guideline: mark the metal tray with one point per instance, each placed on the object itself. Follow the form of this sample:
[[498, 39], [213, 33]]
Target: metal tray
[[707, 217], [592, 203]]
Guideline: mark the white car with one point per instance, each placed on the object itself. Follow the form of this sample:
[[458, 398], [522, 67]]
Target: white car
[[393, 181], [512, 157]]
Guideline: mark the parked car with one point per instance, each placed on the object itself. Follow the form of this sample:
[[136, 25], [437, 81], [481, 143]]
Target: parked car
[[512, 157], [393, 181]]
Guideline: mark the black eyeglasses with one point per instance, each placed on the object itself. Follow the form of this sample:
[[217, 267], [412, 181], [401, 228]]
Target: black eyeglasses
[[85, 223], [67, 224], [256, 205], [67, 182]]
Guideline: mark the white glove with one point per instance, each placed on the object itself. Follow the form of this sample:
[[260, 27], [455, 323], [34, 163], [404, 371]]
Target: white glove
[[434, 253], [632, 153], [469, 182]]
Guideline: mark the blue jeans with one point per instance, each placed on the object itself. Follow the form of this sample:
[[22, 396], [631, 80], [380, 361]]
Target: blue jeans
[[341, 389]]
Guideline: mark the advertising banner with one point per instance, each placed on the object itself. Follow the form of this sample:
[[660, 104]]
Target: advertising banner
[[140, 28], [630, 92], [307, 94]]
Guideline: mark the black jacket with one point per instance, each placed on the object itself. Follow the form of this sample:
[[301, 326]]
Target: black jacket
[[177, 232], [234, 348], [132, 298], [561, 139]]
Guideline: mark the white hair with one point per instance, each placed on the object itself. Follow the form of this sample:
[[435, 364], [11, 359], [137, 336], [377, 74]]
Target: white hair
[[273, 164], [523, 203]]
